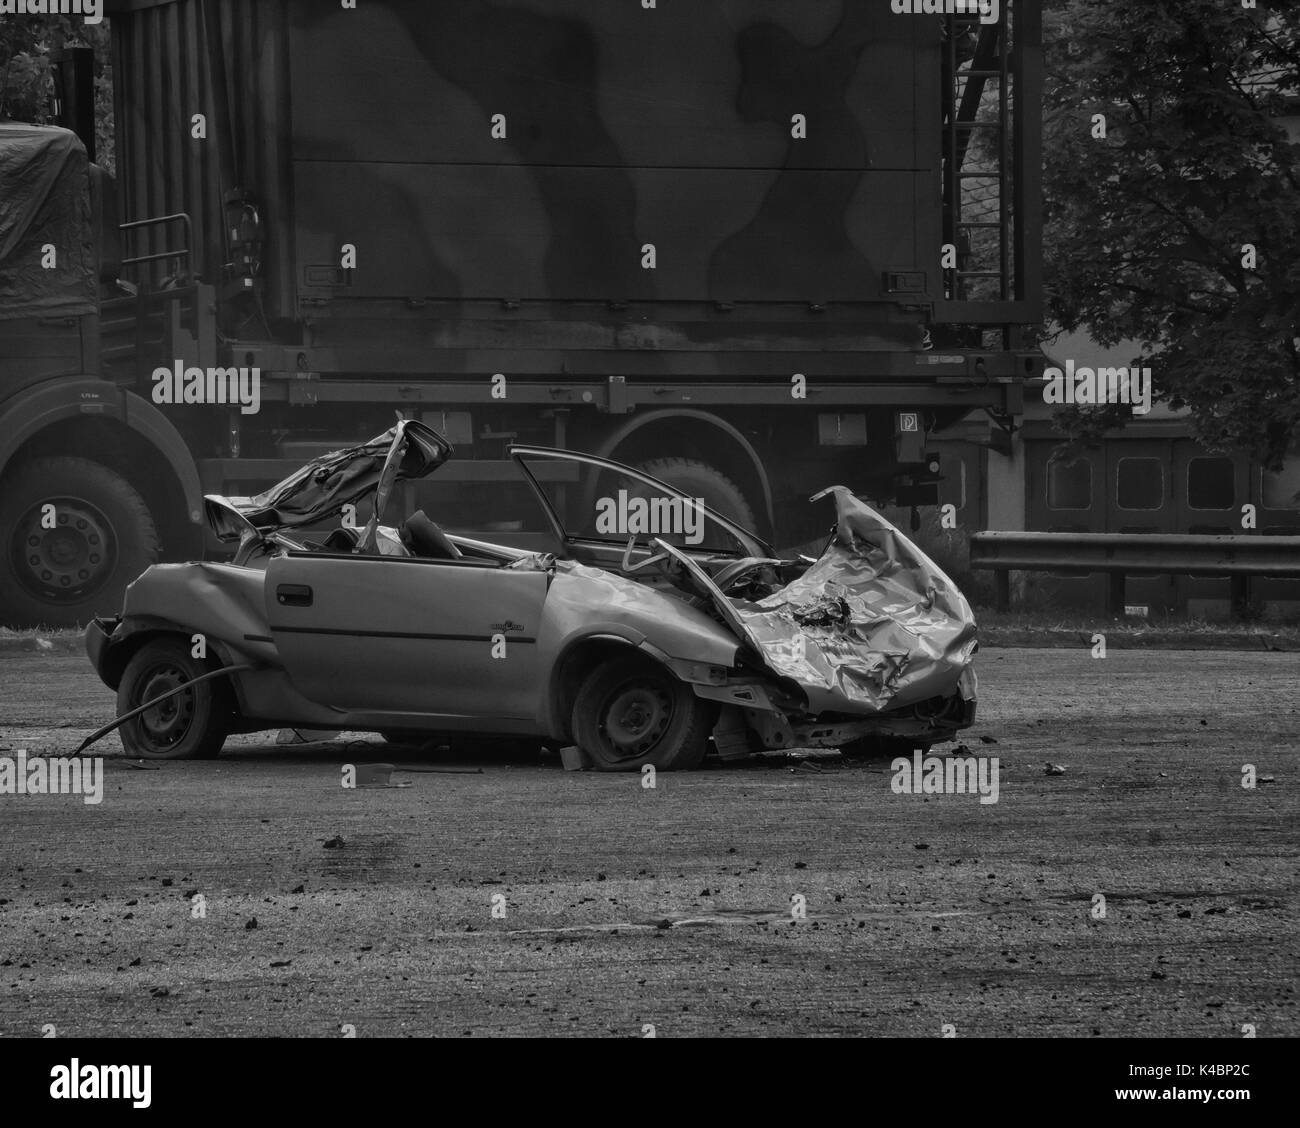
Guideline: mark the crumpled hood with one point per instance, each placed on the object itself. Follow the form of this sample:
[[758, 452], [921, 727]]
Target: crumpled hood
[[874, 624]]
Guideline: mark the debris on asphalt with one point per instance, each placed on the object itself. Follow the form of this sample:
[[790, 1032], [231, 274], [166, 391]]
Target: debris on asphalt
[[374, 775], [440, 771], [335, 843], [574, 759], [305, 735], [1054, 769]]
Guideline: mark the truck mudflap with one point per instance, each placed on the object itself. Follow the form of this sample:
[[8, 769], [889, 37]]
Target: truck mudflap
[[873, 626]]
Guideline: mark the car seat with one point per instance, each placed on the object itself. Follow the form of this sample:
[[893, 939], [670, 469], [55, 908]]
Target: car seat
[[425, 539]]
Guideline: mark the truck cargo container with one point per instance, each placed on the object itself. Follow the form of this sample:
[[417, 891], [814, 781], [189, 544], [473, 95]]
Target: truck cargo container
[[750, 246]]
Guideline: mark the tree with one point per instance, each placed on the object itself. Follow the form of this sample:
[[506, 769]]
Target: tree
[[25, 84], [1150, 228]]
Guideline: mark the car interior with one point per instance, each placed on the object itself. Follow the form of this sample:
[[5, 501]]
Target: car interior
[[422, 537]]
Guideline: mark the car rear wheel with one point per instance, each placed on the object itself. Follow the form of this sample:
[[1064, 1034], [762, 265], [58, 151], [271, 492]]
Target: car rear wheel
[[632, 712], [188, 725]]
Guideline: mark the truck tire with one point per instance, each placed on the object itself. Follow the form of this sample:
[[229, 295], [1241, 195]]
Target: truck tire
[[632, 712], [103, 538], [187, 726], [699, 479]]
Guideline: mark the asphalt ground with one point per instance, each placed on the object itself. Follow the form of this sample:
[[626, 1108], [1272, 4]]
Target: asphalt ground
[[254, 895]]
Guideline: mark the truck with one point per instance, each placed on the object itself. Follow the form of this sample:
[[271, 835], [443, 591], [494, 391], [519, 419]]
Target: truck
[[750, 248]]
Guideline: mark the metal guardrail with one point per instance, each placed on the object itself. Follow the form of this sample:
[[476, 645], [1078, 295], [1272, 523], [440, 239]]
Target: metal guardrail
[[1135, 554]]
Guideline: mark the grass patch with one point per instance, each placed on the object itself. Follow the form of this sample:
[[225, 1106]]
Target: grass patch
[[1030, 628]]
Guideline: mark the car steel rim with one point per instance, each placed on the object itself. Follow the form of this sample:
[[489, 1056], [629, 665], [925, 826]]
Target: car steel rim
[[165, 725], [635, 718], [69, 561]]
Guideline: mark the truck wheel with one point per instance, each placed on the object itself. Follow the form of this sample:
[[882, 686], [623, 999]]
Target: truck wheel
[[632, 712], [191, 725], [698, 479], [102, 538]]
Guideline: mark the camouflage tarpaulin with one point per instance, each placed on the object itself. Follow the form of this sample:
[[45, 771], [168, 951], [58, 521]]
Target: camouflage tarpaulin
[[44, 208]]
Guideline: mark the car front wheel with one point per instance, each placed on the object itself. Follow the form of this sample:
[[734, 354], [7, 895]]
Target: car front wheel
[[632, 712], [188, 725]]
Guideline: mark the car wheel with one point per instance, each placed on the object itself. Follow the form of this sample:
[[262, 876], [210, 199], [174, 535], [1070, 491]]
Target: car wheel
[[75, 534], [187, 726], [632, 712]]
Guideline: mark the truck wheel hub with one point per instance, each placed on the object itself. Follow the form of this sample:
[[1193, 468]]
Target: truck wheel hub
[[70, 559]]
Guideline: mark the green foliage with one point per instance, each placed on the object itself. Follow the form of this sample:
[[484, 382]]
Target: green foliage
[[1145, 229], [26, 90]]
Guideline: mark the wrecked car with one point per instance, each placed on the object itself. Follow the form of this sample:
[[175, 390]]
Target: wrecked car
[[629, 620]]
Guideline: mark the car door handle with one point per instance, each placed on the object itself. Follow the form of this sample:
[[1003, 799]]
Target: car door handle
[[293, 595]]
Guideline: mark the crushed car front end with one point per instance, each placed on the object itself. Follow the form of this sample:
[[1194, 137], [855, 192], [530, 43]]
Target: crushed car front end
[[872, 640]]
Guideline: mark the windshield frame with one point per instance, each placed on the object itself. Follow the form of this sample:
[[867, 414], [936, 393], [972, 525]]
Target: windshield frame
[[749, 543]]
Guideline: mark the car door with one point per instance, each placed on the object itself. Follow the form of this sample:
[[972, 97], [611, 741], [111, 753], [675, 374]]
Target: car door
[[381, 633]]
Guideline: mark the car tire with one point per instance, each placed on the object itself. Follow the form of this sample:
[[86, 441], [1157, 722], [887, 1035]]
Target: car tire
[[700, 480], [191, 725], [632, 712], [65, 576]]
